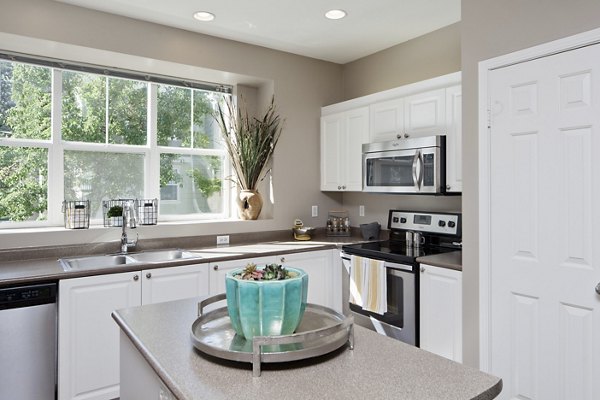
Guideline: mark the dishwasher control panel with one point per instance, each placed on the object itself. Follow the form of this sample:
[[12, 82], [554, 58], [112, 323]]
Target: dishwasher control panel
[[25, 296]]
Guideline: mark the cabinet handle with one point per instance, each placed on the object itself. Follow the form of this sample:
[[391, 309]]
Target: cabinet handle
[[216, 267], [282, 259], [339, 188], [406, 135], [344, 187], [598, 288], [136, 277], [149, 275], [448, 187], [422, 269], [399, 136]]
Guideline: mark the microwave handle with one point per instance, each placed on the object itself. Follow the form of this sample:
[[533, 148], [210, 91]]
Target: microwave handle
[[415, 165]]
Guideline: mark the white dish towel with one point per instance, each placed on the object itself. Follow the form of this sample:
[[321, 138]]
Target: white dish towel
[[368, 287]]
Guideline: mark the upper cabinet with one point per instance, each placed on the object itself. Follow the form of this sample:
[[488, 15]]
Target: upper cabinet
[[422, 114], [454, 139], [342, 137], [426, 108]]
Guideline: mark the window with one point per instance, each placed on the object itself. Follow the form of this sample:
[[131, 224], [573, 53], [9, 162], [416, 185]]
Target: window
[[119, 135]]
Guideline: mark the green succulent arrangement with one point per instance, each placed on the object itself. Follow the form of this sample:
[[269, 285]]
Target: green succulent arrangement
[[270, 272], [115, 211]]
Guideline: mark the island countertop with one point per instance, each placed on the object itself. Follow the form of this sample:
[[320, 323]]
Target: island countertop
[[378, 368]]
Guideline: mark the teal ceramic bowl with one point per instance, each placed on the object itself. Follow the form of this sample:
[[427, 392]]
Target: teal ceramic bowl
[[266, 308]]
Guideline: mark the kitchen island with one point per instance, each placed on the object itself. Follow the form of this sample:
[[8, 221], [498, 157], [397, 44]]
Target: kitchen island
[[157, 356]]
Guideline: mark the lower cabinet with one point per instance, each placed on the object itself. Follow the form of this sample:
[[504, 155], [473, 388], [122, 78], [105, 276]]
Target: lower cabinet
[[219, 269], [441, 311], [88, 344]]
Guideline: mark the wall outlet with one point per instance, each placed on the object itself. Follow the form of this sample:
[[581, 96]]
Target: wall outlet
[[361, 211], [315, 211], [222, 240]]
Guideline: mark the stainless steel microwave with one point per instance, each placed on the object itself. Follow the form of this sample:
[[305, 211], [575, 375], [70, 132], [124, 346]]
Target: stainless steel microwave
[[405, 166]]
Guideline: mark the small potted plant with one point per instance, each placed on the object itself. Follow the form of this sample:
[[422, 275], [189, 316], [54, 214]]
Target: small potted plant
[[115, 215], [266, 301]]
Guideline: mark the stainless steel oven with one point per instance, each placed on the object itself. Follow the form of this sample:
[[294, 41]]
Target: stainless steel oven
[[405, 166], [412, 234], [400, 319]]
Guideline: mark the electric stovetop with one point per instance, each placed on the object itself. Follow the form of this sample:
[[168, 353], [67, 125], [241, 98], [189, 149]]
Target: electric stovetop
[[393, 251]]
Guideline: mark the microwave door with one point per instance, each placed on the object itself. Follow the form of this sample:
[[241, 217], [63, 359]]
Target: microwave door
[[390, 172], [417, 170]]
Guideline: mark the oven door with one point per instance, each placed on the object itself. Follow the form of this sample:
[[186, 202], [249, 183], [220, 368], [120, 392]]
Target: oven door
[[400, 321], [403, 171]]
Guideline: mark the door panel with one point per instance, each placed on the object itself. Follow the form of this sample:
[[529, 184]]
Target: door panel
[[544, 229]]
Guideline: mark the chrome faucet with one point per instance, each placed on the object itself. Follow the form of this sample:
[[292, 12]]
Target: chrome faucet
[[128, 218]]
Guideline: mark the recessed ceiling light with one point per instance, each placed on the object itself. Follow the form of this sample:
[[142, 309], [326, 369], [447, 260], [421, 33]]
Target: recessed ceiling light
[[204, 16], [335, 14]]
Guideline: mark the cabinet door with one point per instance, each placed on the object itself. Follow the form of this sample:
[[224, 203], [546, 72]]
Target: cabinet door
[[332, 127], [425, 114], [88, 345], [318, 266], [454, 139], [174, 283], [356, 133], [219, 269], [441, 311], [386, 120]]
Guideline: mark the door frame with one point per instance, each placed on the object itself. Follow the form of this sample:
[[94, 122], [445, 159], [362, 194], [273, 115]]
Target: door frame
[[484, 178]]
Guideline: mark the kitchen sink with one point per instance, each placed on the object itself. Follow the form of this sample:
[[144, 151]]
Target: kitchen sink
[[162, 255], [95, 262], [113, 260]]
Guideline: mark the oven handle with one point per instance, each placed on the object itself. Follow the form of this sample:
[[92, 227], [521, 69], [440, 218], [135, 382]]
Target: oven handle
[[388, 265]]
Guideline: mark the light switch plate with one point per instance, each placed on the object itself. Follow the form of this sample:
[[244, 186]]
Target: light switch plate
[[315, 211], [222, 240]]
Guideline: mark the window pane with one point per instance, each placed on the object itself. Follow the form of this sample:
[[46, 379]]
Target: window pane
[[173, 116], [206, 130], [25, 101], [127, 104], [98, 176], [199, 180], [83, 107], [23, 184]]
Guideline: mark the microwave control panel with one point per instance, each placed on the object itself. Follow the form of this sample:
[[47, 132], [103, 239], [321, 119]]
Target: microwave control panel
[[446, 223]]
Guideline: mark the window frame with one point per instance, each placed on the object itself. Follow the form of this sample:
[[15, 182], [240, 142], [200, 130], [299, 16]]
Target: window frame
[[151, 151]]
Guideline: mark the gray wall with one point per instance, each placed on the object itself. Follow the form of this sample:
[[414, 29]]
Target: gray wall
[[428, 56], [491, 28], [301, 85]]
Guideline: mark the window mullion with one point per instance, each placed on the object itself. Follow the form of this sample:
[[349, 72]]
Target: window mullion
[[152, 162], [56, 154]]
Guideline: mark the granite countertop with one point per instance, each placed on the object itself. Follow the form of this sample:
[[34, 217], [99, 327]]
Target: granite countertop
[[452, 260], [16, 268], [378, 368]]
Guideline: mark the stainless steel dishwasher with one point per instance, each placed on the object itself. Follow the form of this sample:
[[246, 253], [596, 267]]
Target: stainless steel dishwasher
[[28, 332]]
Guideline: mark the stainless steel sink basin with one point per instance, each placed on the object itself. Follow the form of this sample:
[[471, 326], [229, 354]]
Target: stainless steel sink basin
[[113, 260], [95, 262], [162, 256]]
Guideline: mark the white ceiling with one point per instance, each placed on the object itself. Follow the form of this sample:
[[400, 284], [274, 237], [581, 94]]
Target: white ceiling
[[297, 26]]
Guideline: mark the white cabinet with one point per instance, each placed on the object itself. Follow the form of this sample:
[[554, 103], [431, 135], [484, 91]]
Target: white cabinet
[[88, 340], [421, 114], [441, 311], [454, 139], [386, 120], [342, 137], [318, 265], [88, 348], [219, 269]]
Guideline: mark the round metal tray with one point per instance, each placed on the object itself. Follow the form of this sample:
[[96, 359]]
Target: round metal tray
[[321, 331]]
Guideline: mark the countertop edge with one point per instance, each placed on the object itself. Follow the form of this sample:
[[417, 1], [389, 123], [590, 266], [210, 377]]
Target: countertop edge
[[147, 355]]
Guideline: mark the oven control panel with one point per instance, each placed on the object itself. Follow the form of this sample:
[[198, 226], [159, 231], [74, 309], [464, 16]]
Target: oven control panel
[[442, 223]]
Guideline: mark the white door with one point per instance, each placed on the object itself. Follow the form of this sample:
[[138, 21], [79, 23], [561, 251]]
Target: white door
[[425, 114], [545, 235], [332, 131], [318, 266], [355, 135], [386, 120], [88, 340], [174, 283]]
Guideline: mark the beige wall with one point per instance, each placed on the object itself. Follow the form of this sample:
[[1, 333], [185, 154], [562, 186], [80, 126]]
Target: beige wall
[[301, 85], [491, 28], [428, 56]]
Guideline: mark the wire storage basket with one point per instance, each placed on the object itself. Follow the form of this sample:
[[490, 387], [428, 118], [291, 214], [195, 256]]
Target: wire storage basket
[[77, 214], [147, 211], [113, 211]]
